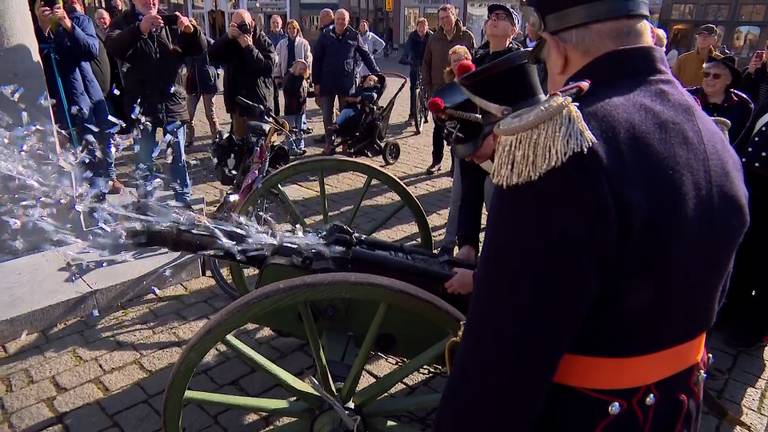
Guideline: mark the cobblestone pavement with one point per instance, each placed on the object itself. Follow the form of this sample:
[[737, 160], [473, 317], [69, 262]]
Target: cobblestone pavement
[[110, 373]]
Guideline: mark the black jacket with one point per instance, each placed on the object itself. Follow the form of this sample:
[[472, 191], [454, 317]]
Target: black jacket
[[102, 68], [295, 92], [623, 250], [756, 85], [415, 46], [247, 71], [472, 175], [154, 63], [201, 76], [335, 61], [736, 108]]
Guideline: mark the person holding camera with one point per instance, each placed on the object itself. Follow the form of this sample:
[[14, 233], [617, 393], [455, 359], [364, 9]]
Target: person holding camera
[[154, 46], [755, 83], [249, 60], [68, 44]]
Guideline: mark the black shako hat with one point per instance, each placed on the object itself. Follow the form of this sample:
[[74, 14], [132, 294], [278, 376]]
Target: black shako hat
[[501, 87], [559, 15]]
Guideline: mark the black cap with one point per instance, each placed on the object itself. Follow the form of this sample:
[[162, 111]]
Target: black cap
[[730, 63], [559, 15], [513, 14], [488, 87], [708, 29]]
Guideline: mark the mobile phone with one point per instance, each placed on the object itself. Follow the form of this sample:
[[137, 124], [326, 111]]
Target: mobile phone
[[759, 55], [170, 20], [50, 4]]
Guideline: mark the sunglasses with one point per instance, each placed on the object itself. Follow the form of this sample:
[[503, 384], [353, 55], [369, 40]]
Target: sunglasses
[[500, 16], [714, 76]]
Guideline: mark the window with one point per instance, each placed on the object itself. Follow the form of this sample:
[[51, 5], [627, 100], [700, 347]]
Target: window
[[752, 12], [717, 12], [684, 11]]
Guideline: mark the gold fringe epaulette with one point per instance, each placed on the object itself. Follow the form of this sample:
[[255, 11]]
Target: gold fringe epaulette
[[537, 139]]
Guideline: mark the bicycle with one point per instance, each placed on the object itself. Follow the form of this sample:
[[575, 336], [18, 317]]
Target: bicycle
[[422, 113]]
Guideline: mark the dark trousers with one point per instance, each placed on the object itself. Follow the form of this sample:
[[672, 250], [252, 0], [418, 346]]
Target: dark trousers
[[276, 96], [438, 143], [414, 81]]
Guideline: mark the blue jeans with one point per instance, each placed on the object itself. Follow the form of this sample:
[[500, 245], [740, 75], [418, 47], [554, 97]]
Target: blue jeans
[[149, 147], [297, 123]]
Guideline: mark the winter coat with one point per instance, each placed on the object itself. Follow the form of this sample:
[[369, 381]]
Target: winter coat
[[755, 85], [201, 76], [689, 67], [74, 51], [247, 71], [154, 64], [415, 47], [295, 92], [336, 57], [276, 38], [436, 54], [302, 52], [101, 69], [375, 46]]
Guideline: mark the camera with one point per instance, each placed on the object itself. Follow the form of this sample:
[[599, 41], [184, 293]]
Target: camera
[[244, 28], [170, 20]]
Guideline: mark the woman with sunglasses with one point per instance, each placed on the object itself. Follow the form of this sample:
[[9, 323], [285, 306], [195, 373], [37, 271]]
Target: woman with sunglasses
[[718, 97]]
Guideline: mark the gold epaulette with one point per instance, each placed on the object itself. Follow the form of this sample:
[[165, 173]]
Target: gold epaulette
[[537, 139]]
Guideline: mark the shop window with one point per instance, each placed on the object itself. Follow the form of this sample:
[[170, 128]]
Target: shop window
[[683, 11], [744, 40], [717, 12], [752, 12]]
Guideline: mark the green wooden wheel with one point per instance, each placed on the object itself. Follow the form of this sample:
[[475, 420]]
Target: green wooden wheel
[[314, 192], [350, 322]]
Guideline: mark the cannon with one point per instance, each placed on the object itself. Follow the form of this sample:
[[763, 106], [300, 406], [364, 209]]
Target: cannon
[[373, 315]]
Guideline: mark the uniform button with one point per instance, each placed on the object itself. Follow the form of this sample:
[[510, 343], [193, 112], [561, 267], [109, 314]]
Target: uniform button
[[703, 375], [742, 159], [757, 164], [749, 149], [650, 399], [762, 154], [614, 408]]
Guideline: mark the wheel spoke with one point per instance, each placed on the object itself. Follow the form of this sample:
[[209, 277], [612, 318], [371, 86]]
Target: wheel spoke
[[386, 219], [353, 378], [294, 385], [360, 200], [382, 385], [286, 408], [291, 207], [323, 198], [238, 278], [398, 405], [313, 337]]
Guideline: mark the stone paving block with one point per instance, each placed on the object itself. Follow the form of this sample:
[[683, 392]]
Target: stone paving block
[[96, 349], [213, 428], [87, 418], [24, 343], [721, 359], [122, 377], [123, 399], [52, 367], [196, 311], [54, 428], [257, 383], [229, 371], [756, 421], [141, 418], [157, 341], [160, 359], [28, 396], [186, 331], [202, 382], [195, 419], [296, 362], [212, 359], [157, 382], [118, 358], [19, 380], [135, 334], [5, 427], [2, 389], [236, 420], [752, 365], [165, 307], [286, 344], [35, 417], [62, 345], [77, 397], [219, 302], [167, 323], [157, 403], [198, 296], [74, 377]]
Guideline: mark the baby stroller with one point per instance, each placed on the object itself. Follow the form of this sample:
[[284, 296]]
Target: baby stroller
[[366, 135]]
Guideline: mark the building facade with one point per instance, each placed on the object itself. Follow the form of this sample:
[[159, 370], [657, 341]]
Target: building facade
[[743, 24]]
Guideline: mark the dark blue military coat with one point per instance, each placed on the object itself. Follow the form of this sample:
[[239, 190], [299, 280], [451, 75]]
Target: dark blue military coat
[[621, 251]]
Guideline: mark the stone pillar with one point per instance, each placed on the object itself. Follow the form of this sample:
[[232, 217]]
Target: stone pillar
[[20, 60]]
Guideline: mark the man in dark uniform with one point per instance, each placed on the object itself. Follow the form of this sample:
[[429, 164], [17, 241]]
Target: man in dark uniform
[[609, 244]]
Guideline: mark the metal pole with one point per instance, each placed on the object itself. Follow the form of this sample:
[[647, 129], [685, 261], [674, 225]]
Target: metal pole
[[20, 57]]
